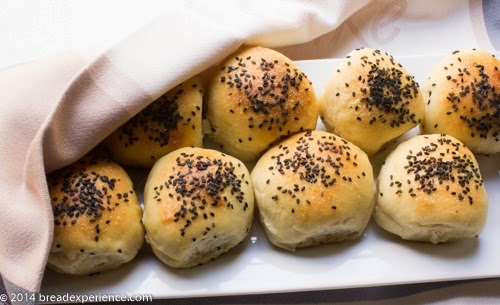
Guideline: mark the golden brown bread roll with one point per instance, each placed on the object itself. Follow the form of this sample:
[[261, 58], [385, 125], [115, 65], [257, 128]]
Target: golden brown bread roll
[[97, 218], [313, 188], [254, 98], [199, 204], [430, 189], [170, 122], [463, 100], [370, 100]]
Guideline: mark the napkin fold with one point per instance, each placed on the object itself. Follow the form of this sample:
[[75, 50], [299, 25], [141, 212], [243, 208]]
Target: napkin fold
[[54, 111]]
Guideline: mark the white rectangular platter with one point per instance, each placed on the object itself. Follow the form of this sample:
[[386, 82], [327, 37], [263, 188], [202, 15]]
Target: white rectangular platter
[[255, 266]]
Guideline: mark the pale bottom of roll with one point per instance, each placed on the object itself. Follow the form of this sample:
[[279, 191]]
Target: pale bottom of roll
[[86, 263], [434, 233], [206, 249]]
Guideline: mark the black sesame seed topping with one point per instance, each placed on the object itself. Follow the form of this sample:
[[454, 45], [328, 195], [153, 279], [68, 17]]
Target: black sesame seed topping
[[473, 83], [386, 92], [267, 87], [82, 192], [432, 170], [320, 160], [201, 185], [158, 121]]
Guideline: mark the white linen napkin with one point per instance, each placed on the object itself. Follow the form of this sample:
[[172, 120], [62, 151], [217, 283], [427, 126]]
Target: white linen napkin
[[53, 112]]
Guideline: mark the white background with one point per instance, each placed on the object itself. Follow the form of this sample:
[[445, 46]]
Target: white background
[[31, 30]]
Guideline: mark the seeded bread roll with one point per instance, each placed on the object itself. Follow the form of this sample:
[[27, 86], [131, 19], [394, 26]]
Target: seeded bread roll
[[199, 204], [370, 100], [171, 122], [254, 98], [463, 100], [97, 218], [313, 188], [431, 190]]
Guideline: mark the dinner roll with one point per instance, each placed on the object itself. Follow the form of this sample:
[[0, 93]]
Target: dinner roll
[[254, 98], [313, 188], [430, 189], [97, 218], [199, 204], [463, 100], [171, 122], [370, 100]]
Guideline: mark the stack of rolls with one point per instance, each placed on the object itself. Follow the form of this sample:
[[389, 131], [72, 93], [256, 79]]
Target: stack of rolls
[[430, 187], [309, 187]]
